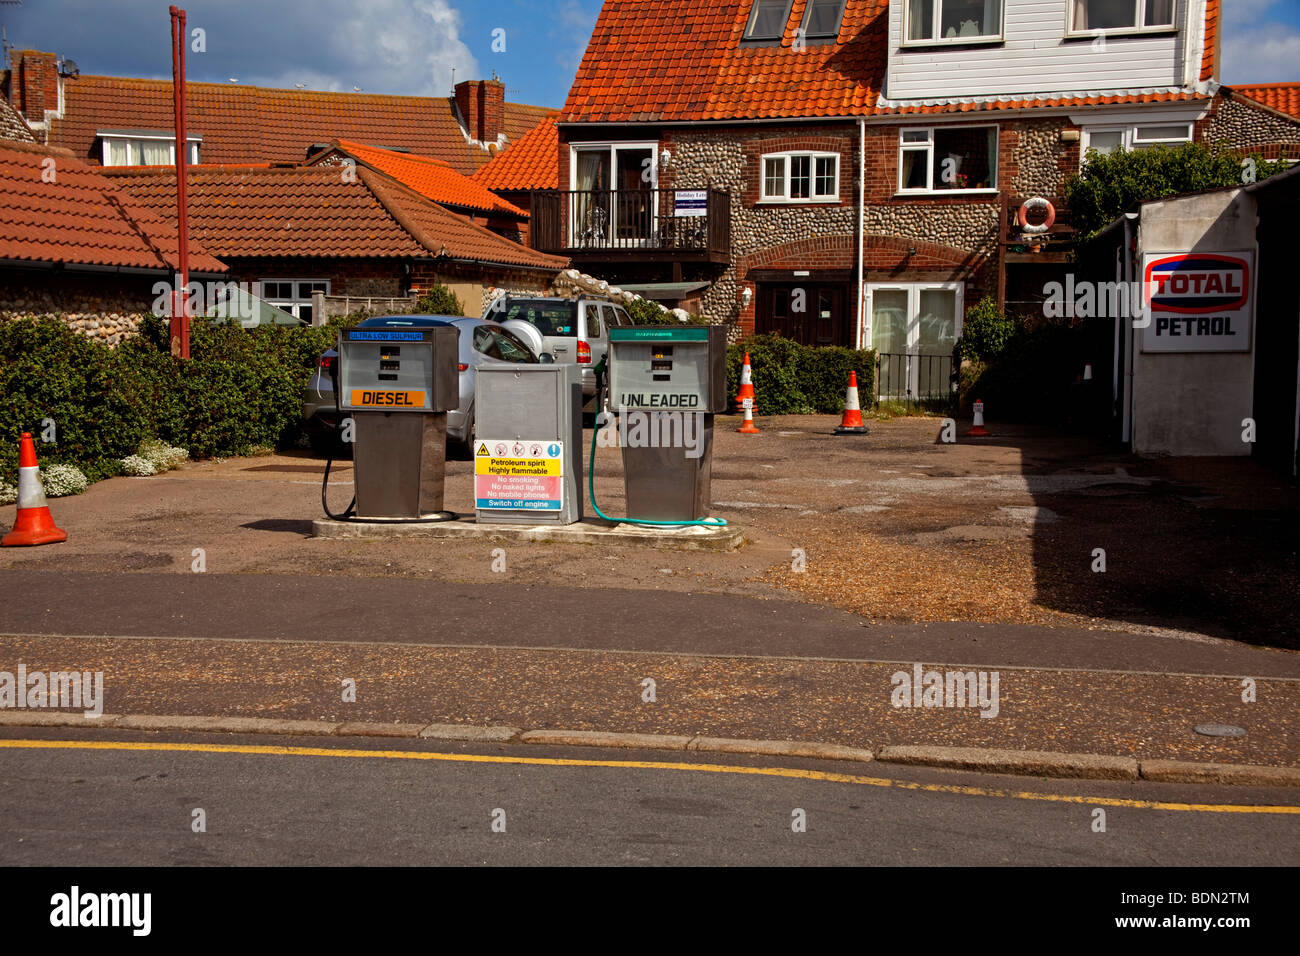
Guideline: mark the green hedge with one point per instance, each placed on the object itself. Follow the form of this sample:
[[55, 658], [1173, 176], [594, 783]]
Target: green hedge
[[794, 379], [240, 389]]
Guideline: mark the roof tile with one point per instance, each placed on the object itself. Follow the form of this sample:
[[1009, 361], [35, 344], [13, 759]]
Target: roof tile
[[82, 217]]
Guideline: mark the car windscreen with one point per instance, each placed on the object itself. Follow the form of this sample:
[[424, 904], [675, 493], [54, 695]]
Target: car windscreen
[[501, 344], [549, 318]]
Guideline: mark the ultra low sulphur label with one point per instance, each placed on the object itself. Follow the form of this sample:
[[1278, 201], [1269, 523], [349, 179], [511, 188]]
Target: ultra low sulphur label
[[362, 398]]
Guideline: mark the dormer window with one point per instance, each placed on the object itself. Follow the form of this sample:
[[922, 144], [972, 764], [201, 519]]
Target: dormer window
[[768, 19], [954, 21], [1092, 16], [143, 148], [821, 19]]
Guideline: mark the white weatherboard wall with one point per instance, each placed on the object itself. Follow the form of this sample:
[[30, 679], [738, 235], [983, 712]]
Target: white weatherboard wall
[[1193, 403], [1035, 57]]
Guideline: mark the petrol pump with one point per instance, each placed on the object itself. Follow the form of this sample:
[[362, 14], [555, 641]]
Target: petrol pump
[[397, 386], [666, 384]]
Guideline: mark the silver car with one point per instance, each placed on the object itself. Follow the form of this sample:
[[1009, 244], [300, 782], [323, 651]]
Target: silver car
[[481, 343], [573, 330]]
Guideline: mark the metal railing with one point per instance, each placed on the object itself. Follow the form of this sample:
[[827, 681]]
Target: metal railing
[[917, 381], [629, 220]]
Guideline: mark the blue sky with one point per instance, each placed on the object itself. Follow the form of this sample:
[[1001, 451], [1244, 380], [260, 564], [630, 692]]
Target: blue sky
[[412, 46]]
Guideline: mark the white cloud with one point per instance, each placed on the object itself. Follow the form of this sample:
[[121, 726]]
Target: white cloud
[[1263, 53], [382, 46]]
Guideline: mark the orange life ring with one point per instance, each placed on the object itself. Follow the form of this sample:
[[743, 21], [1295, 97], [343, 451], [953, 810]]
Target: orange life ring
[[1035, 202]]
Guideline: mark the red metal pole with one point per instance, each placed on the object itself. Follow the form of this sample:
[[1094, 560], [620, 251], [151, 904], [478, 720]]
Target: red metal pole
[[180, 322]]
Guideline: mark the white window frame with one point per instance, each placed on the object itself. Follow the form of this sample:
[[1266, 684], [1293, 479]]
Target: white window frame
[[784, 198], [936, 13], [293, 303], [1129, 139], [913, 290], [194, 142], [928, 148], [1139, 25]]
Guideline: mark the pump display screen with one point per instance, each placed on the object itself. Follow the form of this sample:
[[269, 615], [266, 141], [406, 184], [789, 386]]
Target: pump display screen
[[385, 377], [669, 368]]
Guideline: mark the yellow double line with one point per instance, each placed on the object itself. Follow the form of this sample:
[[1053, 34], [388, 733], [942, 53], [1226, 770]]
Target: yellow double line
[[786, 772]]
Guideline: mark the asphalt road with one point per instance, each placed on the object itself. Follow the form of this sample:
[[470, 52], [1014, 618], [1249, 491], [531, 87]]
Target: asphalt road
[[371, 803], [393, 610]]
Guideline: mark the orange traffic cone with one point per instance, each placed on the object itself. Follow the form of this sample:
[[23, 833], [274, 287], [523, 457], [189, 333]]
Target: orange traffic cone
[[746, 398], [851, 423], [977, 429], [34, 525]]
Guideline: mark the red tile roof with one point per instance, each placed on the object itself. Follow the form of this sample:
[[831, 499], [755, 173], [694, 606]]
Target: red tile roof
[[1283, 97], [653, 60], [82, 217], [531, 163], [432, 178], [679, 60], [313, 211], [243, 124]]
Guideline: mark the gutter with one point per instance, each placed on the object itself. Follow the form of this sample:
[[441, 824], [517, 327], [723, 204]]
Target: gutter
[[503, 265]]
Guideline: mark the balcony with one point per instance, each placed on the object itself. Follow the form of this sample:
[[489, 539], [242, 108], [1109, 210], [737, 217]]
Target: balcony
[[668, 225]]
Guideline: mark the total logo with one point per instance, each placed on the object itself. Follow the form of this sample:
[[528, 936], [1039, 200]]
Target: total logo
[[1197, 283]]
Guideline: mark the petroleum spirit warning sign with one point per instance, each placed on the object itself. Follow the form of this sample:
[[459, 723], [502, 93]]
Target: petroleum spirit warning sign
[[517, 475], [1200, 301]]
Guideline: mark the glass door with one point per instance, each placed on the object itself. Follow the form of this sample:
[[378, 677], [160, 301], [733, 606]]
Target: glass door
[[914, 329]]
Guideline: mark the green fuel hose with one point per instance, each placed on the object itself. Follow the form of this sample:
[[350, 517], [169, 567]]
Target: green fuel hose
[[591, 494]]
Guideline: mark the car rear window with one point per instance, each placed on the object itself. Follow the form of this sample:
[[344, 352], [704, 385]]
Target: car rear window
[[501, 344], [549, 318]]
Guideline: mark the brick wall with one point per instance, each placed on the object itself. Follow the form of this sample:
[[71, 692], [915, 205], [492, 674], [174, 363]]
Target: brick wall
[[1239, 124], [34, 85]]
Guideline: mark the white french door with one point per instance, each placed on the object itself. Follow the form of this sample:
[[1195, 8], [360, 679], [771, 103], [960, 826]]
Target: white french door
[[914, 327]]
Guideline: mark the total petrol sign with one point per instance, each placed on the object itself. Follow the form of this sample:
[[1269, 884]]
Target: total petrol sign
[[1199, 301]]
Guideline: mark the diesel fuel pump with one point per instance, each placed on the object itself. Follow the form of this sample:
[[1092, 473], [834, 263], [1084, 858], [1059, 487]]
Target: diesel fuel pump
[[397, 386]]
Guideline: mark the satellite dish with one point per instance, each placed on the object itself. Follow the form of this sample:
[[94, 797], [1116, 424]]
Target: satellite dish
[[69, 68]]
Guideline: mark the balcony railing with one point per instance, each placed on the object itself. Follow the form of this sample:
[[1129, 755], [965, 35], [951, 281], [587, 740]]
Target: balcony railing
[[654, 223]]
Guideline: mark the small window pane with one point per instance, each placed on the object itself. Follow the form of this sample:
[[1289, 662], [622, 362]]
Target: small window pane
[[823, 18], [826, 176], [1149, 133], [916, 136], [774, 177], [800, 177], [1159, 13], [969, 18], [915, 162], [768, 22], [920, 20], [1105, 142], [304, 313], [1105, 14]]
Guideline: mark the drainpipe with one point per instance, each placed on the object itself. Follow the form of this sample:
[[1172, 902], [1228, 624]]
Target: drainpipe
[[1130, 221], [862, 202]]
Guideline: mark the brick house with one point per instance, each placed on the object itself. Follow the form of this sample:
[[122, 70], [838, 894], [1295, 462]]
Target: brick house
[[119, 121], [75, 246], [849, 171], [296, 230]]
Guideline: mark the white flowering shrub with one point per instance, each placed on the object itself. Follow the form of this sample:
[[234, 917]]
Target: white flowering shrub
[[162, 456], [61, 480], [8, 493], [137, 466]]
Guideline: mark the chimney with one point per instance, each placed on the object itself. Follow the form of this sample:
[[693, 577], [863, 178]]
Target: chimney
[[482, 105], [34, 85]]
